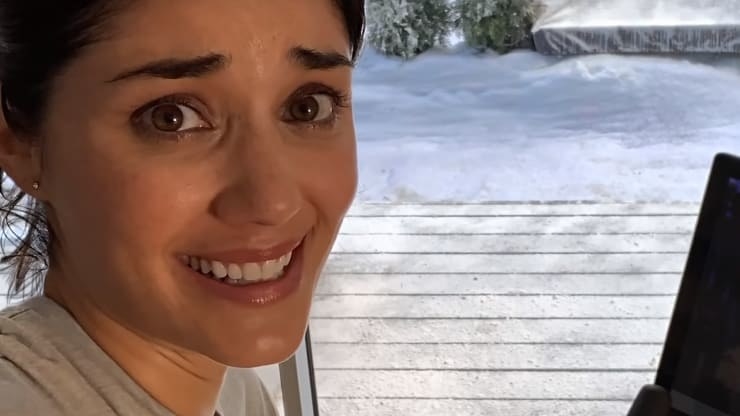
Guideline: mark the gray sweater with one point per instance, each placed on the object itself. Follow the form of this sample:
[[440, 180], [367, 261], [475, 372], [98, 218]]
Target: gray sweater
[[49, 366]]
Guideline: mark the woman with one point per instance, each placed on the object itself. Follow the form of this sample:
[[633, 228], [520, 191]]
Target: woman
[[187, 166]]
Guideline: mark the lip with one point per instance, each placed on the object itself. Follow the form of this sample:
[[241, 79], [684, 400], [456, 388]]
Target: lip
[[239, 256], [257, 294]]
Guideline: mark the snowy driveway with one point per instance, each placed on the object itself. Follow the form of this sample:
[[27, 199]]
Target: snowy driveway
[[524, 127]]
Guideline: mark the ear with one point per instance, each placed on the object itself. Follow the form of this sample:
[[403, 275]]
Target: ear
[[20, 157]]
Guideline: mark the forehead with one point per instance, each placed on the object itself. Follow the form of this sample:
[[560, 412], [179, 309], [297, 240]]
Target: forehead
[[257, 31]]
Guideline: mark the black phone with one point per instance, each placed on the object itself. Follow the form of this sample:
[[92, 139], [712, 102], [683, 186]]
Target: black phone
[[700, 363]]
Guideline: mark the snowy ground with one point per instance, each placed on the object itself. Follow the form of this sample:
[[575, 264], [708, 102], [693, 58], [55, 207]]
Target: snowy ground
[[455, 126]]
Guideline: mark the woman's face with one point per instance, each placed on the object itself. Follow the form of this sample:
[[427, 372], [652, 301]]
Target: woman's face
[[221, 132]]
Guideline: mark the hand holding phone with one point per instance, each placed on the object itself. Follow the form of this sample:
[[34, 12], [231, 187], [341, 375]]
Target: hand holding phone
[[700, 362], [652, 400]]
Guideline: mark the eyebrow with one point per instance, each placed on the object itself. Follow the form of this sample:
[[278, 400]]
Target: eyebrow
[[315, 59], [176, 68]]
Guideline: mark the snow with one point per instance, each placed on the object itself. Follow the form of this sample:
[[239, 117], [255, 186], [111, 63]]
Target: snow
[[452, 125]]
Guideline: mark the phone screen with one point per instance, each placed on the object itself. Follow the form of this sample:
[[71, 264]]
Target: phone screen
[[707, 378]]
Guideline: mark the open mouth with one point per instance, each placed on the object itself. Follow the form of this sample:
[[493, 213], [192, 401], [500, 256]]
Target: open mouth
[[240, 273]]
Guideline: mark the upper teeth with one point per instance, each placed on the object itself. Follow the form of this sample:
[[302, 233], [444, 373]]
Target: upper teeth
[[250, 272]]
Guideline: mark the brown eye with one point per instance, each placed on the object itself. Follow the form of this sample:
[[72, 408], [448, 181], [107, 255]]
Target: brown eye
[[172, 118], [312, 108], [168, 117]]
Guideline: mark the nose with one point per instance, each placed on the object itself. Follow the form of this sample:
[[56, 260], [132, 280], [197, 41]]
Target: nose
[[262, 187]]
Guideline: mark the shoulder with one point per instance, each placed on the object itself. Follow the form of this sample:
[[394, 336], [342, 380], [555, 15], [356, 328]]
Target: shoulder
[[20, 397], [21, 345], [24, 336], [20, 394], [243, 393], [33, 371]]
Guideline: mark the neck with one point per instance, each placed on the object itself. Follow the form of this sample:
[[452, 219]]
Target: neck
[[186, 383]]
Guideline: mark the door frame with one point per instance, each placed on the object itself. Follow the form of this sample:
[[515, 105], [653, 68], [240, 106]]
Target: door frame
[[298, 381]]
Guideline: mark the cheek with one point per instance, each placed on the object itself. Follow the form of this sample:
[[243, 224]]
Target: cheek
[[111, 204], [333, 183], [330, 190]]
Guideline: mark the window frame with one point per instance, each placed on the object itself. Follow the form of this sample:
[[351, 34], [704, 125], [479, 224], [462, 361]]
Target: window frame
[[298, 382]]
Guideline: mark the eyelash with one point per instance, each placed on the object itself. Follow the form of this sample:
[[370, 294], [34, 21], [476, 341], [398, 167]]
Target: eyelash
[[339, 99], [147, 130]]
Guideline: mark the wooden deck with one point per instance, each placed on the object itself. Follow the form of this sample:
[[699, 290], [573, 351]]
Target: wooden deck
[[500, 309]]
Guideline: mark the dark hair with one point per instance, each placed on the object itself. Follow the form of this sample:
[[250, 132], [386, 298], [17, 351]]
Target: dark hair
[[38, 39]]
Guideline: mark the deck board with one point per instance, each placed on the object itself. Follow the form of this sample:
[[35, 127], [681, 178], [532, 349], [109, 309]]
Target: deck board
[[466, 407], [523, 209], [488, 356], [439, 331], [674, 224], [493, 306], [476, 243], [614, 284], [484, 384], [484, 309], [506, 263]]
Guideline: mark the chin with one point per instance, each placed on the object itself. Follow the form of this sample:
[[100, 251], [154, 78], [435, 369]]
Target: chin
[[265, 350], [273, 358], [259, 359]]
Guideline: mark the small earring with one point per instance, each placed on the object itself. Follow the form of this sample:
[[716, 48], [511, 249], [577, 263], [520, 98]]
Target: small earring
[[36, 185]]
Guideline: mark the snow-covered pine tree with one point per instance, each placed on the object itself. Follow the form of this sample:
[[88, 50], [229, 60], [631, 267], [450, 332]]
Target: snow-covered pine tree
[[407, 28], [501, 25]]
